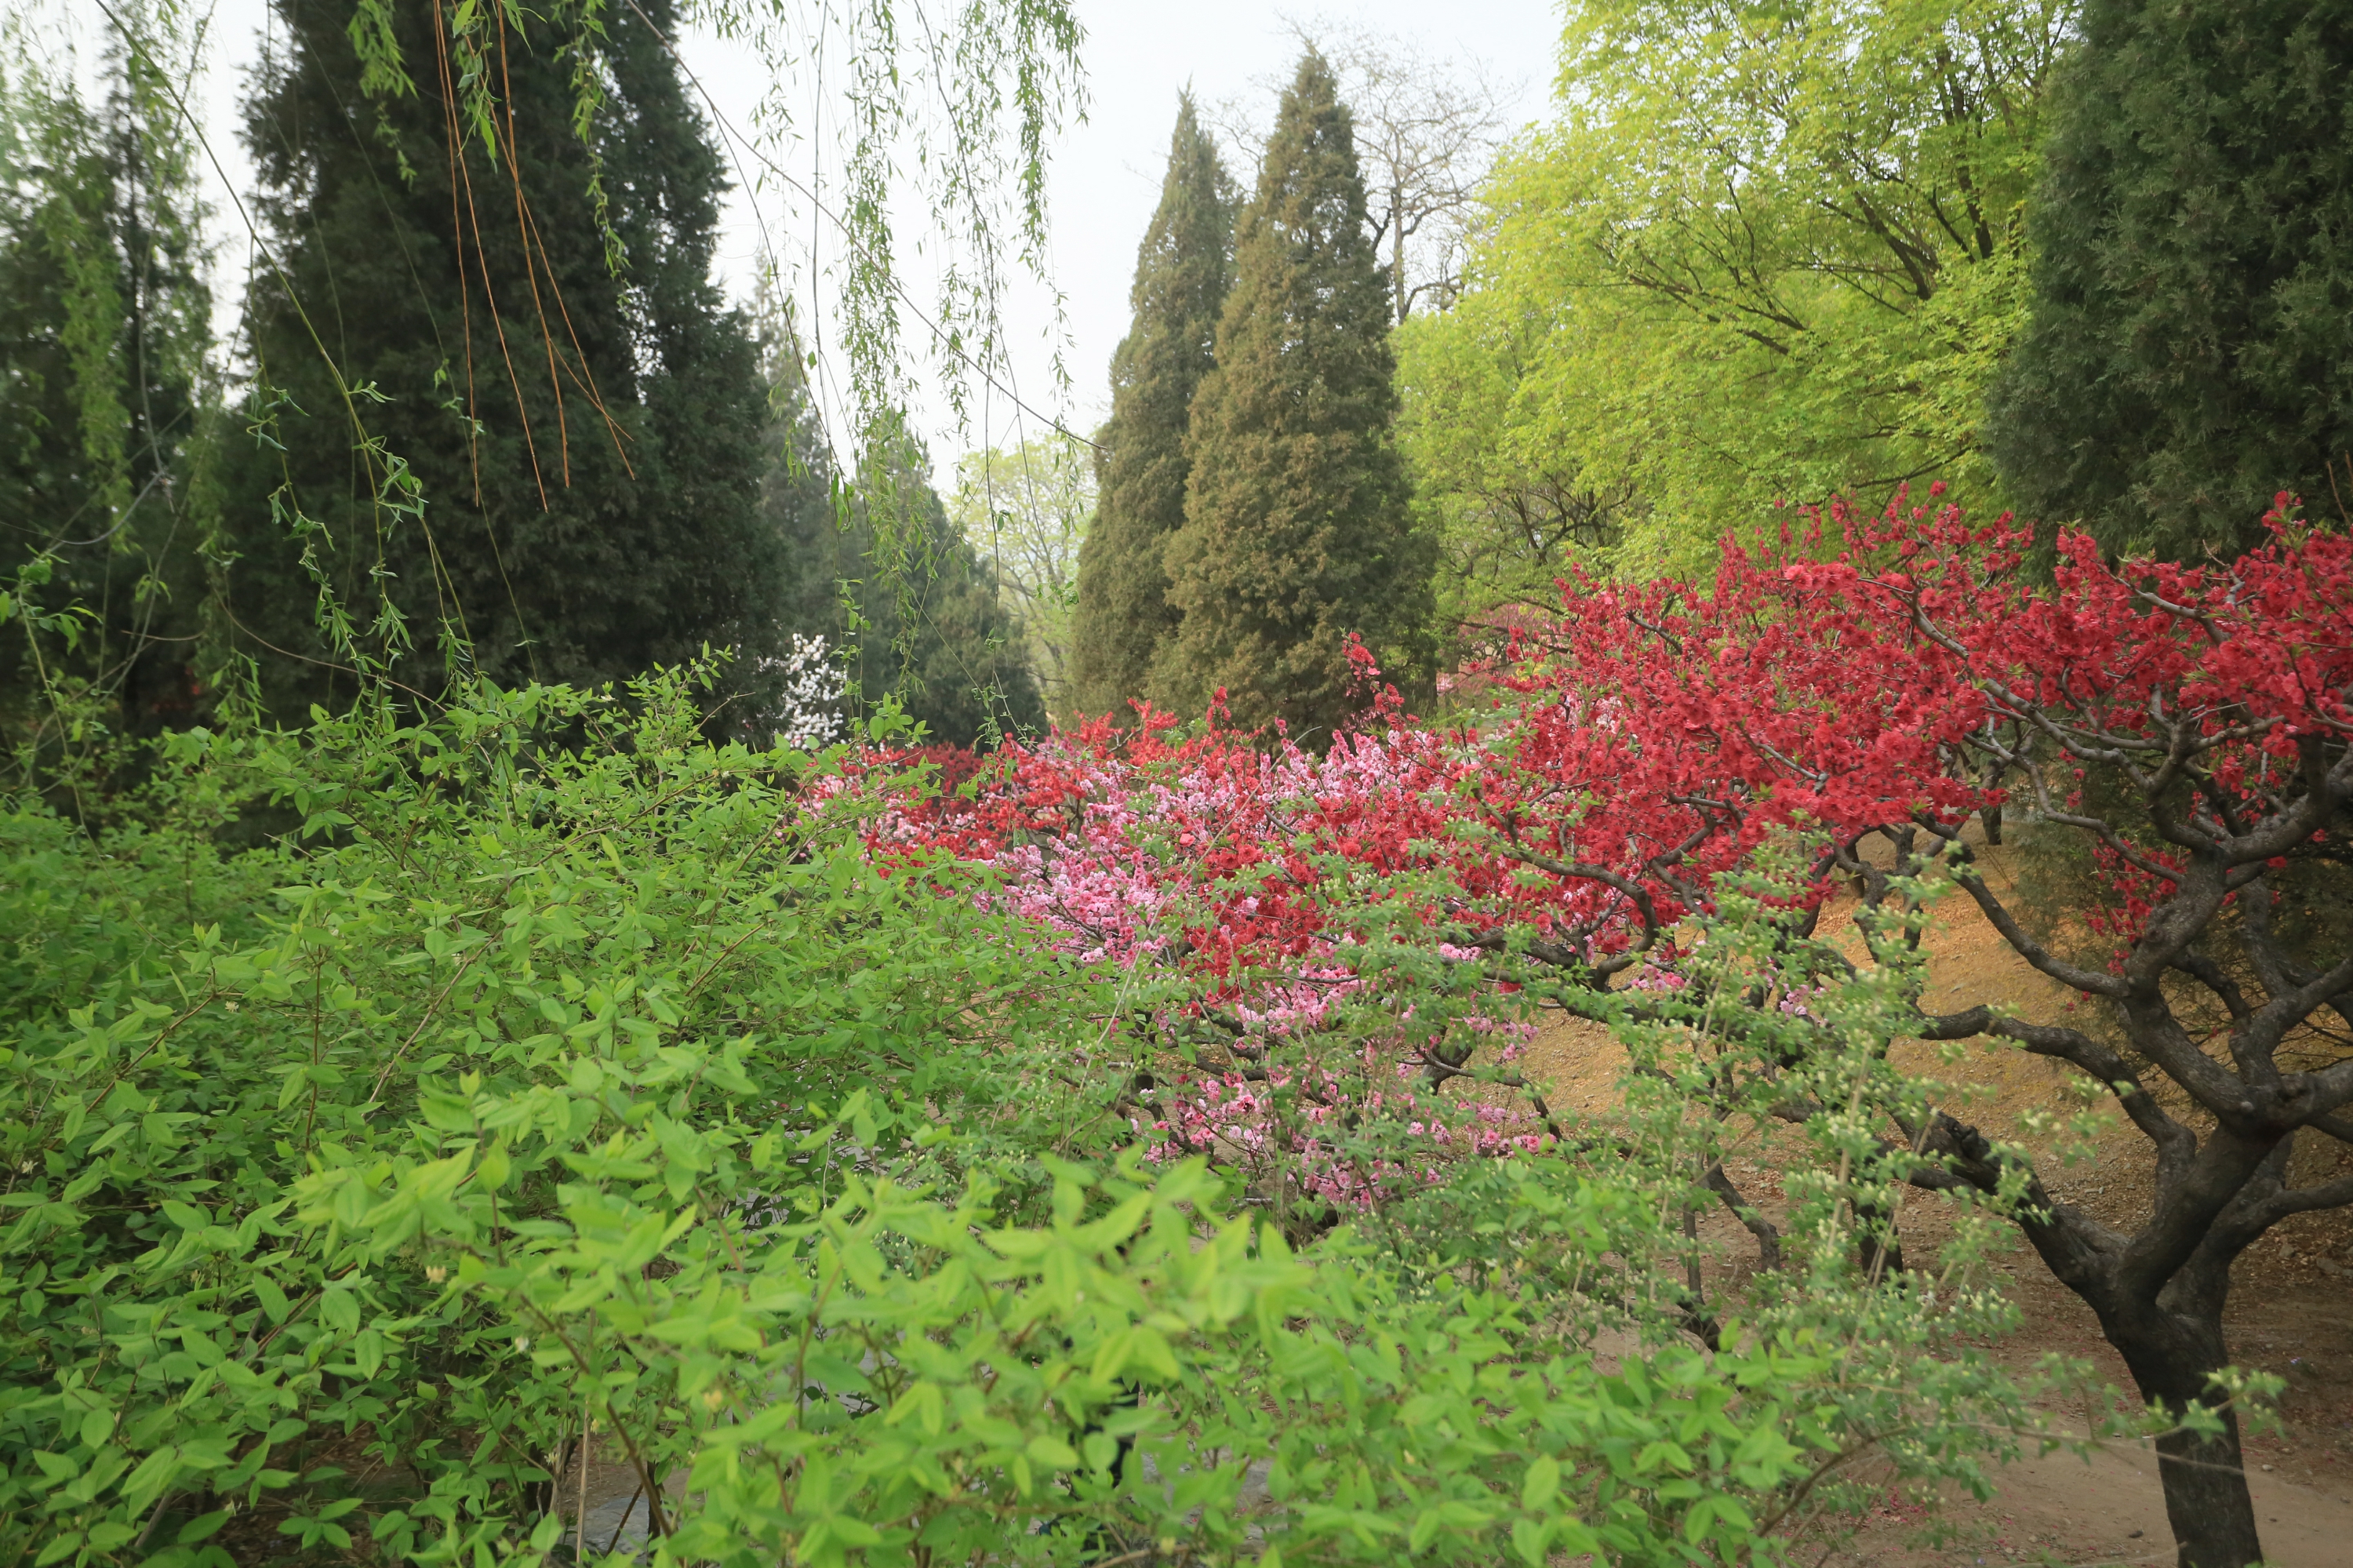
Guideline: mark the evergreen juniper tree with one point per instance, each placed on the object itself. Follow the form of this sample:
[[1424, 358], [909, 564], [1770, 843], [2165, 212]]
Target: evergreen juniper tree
[[588, 440], [963, 667], [948, 647], [1296, 527], [1182, 269], [2190, 351], [937, 632]]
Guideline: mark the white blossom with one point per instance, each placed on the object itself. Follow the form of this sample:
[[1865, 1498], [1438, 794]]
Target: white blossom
[[807, 714]]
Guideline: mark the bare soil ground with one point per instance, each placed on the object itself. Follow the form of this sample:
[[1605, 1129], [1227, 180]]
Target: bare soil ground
[[2291, 1309]]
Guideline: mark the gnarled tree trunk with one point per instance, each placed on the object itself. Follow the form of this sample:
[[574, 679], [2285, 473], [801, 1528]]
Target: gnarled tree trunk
[[2170, 1355], [2165, 1318]]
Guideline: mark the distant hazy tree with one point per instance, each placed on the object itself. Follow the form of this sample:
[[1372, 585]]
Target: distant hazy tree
[[926, 622], [1427, 134], [2191, 345], [1122, 619], [1025, 512], [1296, 518], [905, 610]]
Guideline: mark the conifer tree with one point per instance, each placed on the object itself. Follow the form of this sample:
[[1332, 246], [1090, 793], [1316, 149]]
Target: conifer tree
[[930, 627], [2190, 349], [948, 647], [1182, 269], [587, 440], [1296, 527]]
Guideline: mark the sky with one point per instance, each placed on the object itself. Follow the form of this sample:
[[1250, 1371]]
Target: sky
[[1105, 175], [1103, 184]]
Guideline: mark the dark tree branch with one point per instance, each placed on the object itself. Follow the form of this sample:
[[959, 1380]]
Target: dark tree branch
[[1768, 1235], [2073, 976]]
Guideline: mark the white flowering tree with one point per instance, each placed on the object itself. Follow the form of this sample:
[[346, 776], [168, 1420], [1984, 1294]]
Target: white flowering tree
[[806, 711]]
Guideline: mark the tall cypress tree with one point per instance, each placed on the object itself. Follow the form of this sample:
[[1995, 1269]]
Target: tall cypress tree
[[588, 440], [2190, 350], [1296, 526], [1182, 269]]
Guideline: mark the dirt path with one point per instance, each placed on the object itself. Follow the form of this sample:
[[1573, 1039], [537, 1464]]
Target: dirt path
[[2290, 1310], [2107, 1511]]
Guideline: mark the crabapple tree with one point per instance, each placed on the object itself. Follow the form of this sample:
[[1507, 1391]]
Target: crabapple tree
[[1867, 702]]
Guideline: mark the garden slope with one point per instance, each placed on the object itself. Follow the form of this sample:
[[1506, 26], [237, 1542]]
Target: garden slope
[[2291, 1297]]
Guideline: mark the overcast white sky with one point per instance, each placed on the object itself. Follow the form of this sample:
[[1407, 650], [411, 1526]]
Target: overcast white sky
[[1105, 173]]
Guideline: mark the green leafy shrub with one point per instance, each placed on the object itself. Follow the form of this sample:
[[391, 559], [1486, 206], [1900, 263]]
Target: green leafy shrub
[[560, 1075], [211, 1060]]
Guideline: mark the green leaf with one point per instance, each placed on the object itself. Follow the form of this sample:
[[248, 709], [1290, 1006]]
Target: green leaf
[[447, 1112], [1541, 1483], [1151, 1350], [493, 1171], [154, 1474], [1052, 1452]]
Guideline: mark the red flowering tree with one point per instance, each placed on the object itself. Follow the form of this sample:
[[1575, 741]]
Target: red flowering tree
[[1874, 712], [2190, 724]]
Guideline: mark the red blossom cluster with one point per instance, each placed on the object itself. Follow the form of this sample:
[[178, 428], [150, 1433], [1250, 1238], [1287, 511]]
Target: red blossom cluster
[[1866, 672]]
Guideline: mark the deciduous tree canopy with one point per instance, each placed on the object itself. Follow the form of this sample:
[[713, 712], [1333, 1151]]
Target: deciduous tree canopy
[[1767, 252]]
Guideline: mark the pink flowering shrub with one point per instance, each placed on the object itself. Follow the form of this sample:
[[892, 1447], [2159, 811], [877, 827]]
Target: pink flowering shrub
[[1331, 957]]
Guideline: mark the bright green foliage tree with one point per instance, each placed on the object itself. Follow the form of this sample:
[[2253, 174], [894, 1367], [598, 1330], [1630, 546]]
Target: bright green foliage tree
[[2192, 345], [1768, 252], [103, 403], [588, 440], [1296, 519], [1124, 620], [1511, 513], [1025, 512]]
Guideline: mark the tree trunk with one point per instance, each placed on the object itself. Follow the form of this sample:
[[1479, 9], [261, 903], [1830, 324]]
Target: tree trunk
[[1396, 252], [2205, 1478], [2206, 1499]]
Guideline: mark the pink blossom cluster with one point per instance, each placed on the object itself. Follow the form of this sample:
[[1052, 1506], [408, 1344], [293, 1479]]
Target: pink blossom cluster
[[1247, 873]]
